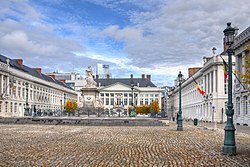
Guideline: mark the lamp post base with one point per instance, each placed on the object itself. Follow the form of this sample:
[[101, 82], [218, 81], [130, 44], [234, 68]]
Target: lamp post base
[[179, 128], [229, 140], [229, 150]]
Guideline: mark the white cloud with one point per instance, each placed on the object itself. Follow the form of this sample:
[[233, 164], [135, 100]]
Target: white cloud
[[162, 38]]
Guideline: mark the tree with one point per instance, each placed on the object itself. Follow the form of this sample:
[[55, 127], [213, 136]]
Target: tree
[[70, 106], [142, 109], [155, 106]]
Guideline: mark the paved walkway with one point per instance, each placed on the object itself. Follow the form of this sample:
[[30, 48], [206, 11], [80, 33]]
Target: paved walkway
[[240, 129], [51, 145]]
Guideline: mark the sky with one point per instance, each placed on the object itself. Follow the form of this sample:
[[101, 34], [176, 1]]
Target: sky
[[152, 37]]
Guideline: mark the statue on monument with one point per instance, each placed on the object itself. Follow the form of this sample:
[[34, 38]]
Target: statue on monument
[[89, 78]]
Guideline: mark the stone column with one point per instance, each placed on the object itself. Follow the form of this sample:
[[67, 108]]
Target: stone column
[[204, 83], [7, 85], [1, 81], [214, 81]]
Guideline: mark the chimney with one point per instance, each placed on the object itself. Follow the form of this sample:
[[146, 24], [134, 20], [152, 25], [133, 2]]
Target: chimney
[[131, 75], [39, 70], [192, 71], [108, 76], [97, 76], [143, 76], [149, 77], [52, 76], [225, 46], [63, 81], [20, 62]]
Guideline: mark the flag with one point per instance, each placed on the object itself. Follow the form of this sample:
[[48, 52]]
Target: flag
[[199, 88], [225, 70]]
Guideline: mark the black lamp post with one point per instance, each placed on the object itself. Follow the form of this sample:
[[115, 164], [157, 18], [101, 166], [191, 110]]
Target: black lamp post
[[132, 111], [64, 101], [229, 138], [27, 104], [179, 118], [61, 107]]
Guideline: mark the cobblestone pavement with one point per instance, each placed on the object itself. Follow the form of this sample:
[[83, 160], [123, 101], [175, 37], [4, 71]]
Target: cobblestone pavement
[[50, 145]]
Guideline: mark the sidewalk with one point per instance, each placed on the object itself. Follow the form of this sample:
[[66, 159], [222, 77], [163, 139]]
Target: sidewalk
[[220, 127]]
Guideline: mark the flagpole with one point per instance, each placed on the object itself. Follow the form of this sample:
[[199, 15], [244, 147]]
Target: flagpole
[[233, 73]]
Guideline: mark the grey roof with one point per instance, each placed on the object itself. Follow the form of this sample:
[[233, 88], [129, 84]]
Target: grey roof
[[143, 82], [30, 71]]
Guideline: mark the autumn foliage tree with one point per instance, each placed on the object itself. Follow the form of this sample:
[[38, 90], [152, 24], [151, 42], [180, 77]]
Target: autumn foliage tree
[[143, 109], [70, 106], [154, 107]]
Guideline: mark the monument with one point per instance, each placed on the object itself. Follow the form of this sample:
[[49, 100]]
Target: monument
[[91, 103]]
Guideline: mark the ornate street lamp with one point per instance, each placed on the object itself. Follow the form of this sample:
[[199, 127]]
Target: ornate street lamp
[[26, 109], [132, 110], [179, 117], [61, 106], [229, 138]]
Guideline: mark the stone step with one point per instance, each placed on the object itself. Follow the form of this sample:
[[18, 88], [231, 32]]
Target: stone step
[[83, 121]]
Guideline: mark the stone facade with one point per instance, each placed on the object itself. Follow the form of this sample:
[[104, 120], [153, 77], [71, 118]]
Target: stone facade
[[44, 93], [241, 100], [211, 106]]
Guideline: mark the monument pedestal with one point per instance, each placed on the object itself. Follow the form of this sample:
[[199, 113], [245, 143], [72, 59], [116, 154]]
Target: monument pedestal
[[90, 96]]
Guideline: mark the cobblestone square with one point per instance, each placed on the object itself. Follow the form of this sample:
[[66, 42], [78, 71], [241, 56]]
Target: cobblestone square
[[50, 145]]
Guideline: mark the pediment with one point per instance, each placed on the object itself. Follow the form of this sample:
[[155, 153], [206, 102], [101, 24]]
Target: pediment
[[116, 87]]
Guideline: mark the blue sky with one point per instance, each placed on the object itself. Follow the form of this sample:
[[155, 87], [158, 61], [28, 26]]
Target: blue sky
[[156, 37]]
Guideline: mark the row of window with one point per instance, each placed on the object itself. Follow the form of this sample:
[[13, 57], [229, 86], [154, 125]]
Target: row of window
[[244, 105], [13, 107], [126, 101], [127, 95]]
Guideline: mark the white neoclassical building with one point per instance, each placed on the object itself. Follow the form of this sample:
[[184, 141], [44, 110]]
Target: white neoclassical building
[[241, 100], [116, 93], [18, 81], [211, 106]]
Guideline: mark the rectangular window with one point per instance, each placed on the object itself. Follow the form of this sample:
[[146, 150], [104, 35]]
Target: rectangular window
[[130, 101], [141, 101], [34, 95], [238, 105], [15, 107], [125, 101], [156, 95], [146, 101], [112, 94], [23, 93], [125, 95], [112, 101], [6, 106], [31, 95], [107, 94], [141, 95], [245, 105], [102, 94], [107, 101], [11, 107], [19, 92]]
